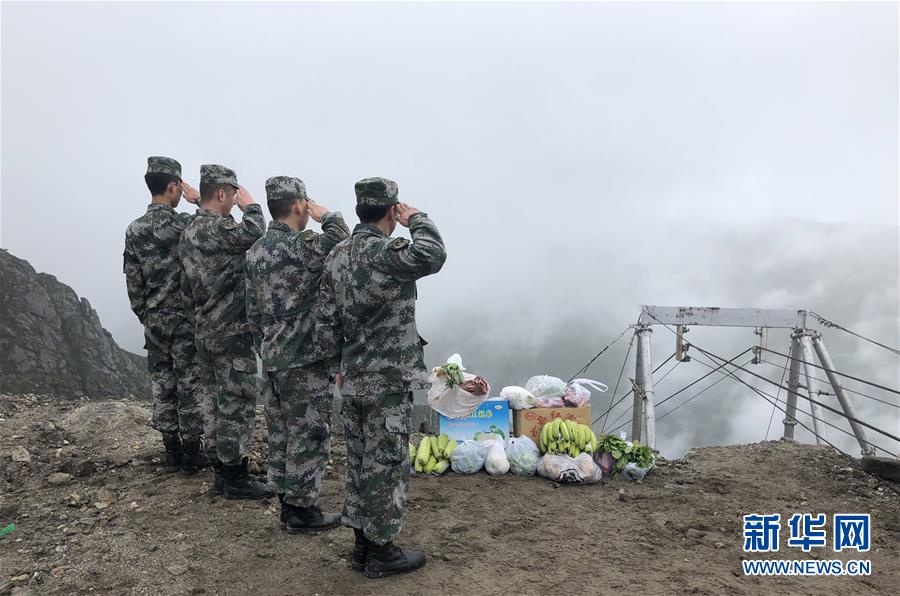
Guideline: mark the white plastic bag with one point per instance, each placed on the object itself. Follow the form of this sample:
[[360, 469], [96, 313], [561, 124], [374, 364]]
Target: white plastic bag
[[523, 456], [577, 393], [468, 456], [496, 462], [544, 386], [569, 470], [519, 398], [633, 472], [452, 402]]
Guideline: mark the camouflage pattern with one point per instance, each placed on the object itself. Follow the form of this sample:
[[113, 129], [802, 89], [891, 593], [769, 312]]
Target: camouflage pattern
[[152, 275], [216, 174], [285, 188], [377, 428], [212, 255], [158, 164], [376, 191], [228, 374], [299, 408], [368, 295], [283, 272], [174, 374]]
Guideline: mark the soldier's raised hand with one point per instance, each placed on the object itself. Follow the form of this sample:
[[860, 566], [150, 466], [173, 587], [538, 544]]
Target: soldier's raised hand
[[191, 194], [316, 211], [243, 198], [402, 212]]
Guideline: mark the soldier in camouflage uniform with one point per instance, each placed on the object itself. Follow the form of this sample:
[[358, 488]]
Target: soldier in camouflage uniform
[[283, 272], [153, 277], [212, 254], [368, 295]]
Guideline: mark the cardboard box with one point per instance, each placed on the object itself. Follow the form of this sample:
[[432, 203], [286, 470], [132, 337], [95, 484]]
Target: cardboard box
[[490, 417], [528, 423]]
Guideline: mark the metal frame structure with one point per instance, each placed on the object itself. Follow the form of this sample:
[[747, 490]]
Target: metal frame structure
[[805, 340]]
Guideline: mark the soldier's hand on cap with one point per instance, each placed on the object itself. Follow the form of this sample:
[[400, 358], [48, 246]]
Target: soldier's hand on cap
[[191, 194], [403, 212], [316, 211], [243, 198]]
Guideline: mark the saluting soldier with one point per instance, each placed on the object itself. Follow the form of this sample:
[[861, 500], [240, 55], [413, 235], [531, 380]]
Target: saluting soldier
[[212, 252], [283, 272], [153, 277], [369, 297]]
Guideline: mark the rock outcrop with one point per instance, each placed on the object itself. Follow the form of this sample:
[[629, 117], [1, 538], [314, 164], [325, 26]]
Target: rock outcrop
[[51, 341]]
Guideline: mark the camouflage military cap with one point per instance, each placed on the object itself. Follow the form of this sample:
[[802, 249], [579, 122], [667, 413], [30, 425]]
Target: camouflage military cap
[[376, 191], [216, 174], [157, 164], [283, 188]]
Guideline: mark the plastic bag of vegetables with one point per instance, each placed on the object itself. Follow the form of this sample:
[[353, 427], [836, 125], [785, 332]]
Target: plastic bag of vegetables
[[445, 394], [496, 462], [468, 457], [569, 470], [633, 472], [519, 398], [577, 392], [546, 387], [523, 456]]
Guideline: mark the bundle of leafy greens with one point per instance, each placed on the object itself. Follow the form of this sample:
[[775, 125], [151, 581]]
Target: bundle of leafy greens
[[453, 373], [624, 453]]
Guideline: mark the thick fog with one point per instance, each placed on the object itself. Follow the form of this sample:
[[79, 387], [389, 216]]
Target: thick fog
[[579, 159]]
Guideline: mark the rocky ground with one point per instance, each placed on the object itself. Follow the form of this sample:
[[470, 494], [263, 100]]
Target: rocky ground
[[95, 513]]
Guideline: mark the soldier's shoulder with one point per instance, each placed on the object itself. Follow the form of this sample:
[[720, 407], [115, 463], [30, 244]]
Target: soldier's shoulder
[[226, 223], [396, 244]]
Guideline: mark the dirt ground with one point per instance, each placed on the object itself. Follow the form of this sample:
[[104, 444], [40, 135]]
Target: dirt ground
[[95, 513]]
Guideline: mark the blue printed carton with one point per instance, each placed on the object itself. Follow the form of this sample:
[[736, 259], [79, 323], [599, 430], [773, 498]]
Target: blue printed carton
[[491, 417]]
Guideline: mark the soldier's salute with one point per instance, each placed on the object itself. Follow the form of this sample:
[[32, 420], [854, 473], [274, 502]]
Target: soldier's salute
[[368, 293], [283, 272], [153, 277], [212, 253]]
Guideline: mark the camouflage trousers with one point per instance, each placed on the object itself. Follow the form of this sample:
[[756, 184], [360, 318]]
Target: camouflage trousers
[[174, 374], [228, 371], [376, 428], [299, 405]]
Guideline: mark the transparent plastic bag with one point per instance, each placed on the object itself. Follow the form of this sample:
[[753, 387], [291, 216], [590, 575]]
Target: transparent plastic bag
[[569, 470], [452, 402], [468, 457], [523, 456], [519, 398], [549, 402], [496, 462], [577, 393], [544, 386], [633, 472]]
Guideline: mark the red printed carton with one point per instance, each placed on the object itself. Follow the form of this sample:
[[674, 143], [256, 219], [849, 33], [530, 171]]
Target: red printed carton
[[528, 423]]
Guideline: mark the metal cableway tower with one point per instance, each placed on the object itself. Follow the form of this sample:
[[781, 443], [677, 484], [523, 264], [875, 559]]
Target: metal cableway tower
[[805, 339]]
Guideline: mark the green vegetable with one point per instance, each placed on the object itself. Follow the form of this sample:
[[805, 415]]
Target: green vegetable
[[453, 373], [623, 453]]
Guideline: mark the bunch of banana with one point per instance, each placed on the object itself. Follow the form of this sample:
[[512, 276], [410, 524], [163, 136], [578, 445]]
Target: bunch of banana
[[568, 437], [433, 454]]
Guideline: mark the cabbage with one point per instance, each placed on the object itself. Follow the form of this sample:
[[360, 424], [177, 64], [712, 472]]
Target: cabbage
[[523, 456], [496, 462]]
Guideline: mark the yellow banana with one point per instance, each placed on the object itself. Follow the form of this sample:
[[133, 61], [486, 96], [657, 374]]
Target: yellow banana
[[436, 448], [423, 452], [448, 450], [442, 442], [567, 435]]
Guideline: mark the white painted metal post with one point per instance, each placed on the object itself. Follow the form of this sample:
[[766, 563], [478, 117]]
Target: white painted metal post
[[790, 412], [825, 359], [645, 382], [811, 385]]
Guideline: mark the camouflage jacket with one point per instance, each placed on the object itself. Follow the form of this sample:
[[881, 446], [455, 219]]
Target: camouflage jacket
[[212, 257], [283, 272], [368, 295], [151, 264]]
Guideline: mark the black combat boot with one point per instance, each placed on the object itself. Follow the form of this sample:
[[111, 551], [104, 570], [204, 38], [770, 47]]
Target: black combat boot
[[174, 454], [282, 516], [360, 550], [219, 479], [193, 458], [239, 485], [301, 520], [389, 559]]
